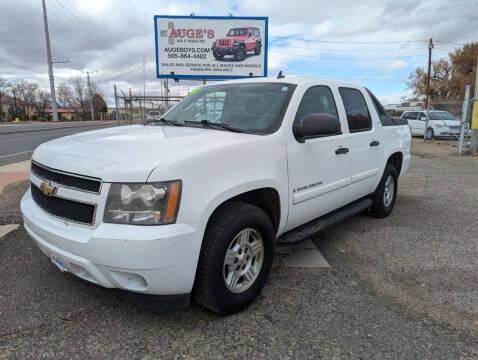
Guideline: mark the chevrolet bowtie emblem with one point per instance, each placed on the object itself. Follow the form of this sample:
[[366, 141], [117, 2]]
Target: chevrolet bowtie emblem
[[48, 189]]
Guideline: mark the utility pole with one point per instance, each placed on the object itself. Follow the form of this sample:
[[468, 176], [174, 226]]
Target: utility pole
[[464, 115], [144, 91], [130, 107], [50, 64], [116, 105], [89, 91], [427, 99], [15, 102], [474, 122]]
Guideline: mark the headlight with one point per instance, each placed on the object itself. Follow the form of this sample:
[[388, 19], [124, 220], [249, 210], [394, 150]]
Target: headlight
[[143, 204]]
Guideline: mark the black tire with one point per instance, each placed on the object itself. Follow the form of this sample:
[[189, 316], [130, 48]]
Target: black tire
[[210, 289], [430, 134], [380, 207], [218, 56], [240, 54], [257, 49]]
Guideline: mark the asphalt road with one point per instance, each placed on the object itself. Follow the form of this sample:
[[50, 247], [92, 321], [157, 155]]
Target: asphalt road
[[11, 127], [19, 146]]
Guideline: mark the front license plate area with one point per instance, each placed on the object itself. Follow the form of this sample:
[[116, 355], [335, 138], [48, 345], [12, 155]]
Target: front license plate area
[[58, 263]]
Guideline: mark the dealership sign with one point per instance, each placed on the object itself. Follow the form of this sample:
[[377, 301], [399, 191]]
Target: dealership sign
[[210, 47]]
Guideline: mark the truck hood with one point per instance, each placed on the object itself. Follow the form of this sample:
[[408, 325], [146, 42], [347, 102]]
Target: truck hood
[[130, 153]]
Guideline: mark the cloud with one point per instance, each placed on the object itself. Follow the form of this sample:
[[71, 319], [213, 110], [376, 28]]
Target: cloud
[[112, 36]]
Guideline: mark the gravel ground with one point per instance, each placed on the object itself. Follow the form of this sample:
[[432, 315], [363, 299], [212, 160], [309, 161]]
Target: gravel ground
[[10, 202], [399, 288], [424, 255]]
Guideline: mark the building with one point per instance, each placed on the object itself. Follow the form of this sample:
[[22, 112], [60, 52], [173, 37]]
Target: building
[[64, 114], [398, 109]]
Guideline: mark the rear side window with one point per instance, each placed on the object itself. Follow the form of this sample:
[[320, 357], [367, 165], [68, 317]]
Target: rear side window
[[358, 116], [316, 100], [384, 117]]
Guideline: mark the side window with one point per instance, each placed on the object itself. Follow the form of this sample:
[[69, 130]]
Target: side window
[[316, 100], [385, 118], [422, 116], [358, 116]]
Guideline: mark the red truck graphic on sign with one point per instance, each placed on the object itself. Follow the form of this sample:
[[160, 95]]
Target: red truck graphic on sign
[[238, 42]]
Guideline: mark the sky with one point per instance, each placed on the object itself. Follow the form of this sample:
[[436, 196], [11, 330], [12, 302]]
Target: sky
[[373, 43]]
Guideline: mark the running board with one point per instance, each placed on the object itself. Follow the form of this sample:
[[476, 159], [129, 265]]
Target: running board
[[304, 231]]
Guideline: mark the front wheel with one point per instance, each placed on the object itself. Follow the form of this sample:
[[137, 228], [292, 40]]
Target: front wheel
[[386, 192], [218, 56], [236, 258], [240, 54], [430, 134]]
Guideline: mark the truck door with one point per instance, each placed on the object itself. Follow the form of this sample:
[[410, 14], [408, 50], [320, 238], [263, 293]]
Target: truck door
[[364, 142], [319, 167]]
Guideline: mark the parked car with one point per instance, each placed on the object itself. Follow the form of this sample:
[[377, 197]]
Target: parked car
[[238, 42], [153, 115], [195, 203], [441, 124]]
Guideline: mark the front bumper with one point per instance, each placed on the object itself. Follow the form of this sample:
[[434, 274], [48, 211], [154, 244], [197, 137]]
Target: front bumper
[[157, 260], [224, 50]]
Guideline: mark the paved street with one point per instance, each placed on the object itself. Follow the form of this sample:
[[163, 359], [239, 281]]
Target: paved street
[[19, 146], [403, 287], [10, 127]]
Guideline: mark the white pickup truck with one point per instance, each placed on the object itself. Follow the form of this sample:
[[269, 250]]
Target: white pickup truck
[[196, 202]]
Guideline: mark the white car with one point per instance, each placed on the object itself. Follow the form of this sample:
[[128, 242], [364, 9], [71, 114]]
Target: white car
[[441, 124], [195, 203], [153, 115]]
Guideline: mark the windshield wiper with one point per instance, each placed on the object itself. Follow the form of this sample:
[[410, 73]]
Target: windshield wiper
[[221, 125], [166, 121]]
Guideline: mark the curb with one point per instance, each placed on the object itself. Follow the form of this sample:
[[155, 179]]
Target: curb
[[54, 128]]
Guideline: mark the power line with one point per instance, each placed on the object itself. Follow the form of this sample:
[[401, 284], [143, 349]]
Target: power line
[[20, 43], [349, 42]]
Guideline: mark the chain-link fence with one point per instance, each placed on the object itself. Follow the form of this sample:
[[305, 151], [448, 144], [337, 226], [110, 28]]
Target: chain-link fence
[[141, 109], [453, 120]]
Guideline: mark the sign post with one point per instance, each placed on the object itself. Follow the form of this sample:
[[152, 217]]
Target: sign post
[[210, 47]]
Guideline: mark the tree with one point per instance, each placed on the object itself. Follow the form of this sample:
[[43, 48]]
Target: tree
[[99, 104], [65, 96], [80, 97], [41, 101], [448, 77], [24, 91], [4, 85]]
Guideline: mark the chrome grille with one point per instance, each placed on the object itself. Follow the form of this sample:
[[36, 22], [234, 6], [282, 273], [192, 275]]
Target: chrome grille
[[74, 181], [64, 208]]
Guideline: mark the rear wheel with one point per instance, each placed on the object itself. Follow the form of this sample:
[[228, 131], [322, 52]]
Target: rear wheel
[[236, 258], [240, 53], [386, 192]]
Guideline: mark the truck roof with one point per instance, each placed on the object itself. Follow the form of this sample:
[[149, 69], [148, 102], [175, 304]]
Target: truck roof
[[291, 80]]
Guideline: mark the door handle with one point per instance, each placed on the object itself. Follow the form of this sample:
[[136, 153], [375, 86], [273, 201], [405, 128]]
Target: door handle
[[342, 150], [374, 143]]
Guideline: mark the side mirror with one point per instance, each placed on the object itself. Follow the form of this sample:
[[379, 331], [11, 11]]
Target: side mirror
[[316, 125]]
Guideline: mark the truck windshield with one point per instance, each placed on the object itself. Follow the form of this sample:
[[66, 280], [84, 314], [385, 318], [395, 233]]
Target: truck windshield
[[237, 32], [256, 108]]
